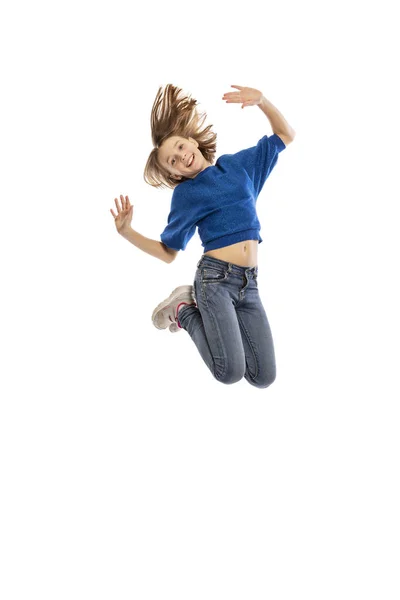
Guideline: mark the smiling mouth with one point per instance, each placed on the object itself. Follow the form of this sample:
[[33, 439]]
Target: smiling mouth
[[190, 161]]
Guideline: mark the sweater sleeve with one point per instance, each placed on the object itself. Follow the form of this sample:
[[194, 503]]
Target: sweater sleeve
[[180, 228], [259, 160]]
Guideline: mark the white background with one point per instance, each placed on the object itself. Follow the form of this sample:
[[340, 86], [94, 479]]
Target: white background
[[127, 470]]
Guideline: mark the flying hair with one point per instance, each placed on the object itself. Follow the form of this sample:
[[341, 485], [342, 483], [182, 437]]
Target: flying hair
[[176, 114]]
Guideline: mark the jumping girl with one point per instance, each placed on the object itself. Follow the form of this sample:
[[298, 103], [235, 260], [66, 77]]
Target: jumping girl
[[222, 312]]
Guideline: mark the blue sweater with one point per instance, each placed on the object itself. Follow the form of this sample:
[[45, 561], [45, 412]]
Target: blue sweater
[[221, 200]]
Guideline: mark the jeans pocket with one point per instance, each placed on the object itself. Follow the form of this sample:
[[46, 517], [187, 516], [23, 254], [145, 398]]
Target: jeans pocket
[[213, 274]]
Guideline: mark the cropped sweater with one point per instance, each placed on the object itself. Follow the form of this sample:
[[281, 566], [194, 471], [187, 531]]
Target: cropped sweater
[[221, 200]]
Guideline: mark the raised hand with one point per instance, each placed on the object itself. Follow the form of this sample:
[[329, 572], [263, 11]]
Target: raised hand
[[124, 217], [249, 96]]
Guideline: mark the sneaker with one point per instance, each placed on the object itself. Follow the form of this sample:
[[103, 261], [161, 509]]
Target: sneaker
[[165, 315]]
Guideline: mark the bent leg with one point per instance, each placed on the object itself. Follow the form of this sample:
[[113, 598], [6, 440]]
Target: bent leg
[[257, 340], [214, 328]]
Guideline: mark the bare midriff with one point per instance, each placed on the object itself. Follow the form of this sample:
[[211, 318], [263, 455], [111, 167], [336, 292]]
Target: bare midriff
[[244, 254]]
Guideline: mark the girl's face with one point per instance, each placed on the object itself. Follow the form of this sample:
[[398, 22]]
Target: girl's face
[[181, 157]]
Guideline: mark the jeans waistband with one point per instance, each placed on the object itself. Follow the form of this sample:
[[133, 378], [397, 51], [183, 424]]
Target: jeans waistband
[[231, 267]]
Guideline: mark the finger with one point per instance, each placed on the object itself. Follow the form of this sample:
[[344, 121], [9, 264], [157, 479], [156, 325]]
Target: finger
[[113, 214], [232, 95], [117, 205], [122, 201], [238, 87], [235, 98]]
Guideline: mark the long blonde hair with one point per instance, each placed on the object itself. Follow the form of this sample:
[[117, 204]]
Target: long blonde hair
[[174, 115]]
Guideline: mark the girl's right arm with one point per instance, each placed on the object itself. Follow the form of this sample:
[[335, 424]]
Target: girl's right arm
[[153, 247], [123, 224]]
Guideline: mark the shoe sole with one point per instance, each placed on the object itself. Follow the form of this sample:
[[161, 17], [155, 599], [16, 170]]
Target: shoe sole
[[179, 291]]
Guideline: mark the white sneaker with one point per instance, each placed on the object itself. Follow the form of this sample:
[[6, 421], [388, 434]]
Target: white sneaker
[[165, 315]]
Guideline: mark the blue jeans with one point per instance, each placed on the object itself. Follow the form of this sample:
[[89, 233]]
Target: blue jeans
[[229, 325]]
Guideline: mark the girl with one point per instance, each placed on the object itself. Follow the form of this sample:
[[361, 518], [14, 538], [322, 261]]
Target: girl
[[222, 312]]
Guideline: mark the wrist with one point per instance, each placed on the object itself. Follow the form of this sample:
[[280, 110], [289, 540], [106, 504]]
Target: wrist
[[125, 231]]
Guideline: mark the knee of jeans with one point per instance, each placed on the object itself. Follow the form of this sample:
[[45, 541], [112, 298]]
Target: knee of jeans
[[230, 376], [264, 381], [229, 380]]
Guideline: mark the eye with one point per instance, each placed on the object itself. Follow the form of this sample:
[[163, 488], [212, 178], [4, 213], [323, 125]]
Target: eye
[[172, 161]]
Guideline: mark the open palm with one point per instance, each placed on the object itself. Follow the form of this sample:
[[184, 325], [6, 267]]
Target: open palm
[[124, 217], [247, 95]]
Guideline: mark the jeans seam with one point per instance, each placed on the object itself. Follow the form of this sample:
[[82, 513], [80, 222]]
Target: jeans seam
[[211, 315], [251, 348]]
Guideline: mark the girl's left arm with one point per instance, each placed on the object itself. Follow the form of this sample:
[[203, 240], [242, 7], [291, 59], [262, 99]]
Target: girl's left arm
[[252, 97], [278, 122]]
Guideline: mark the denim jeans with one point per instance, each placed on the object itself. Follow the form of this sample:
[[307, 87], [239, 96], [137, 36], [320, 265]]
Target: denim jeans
[[229, 325]]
